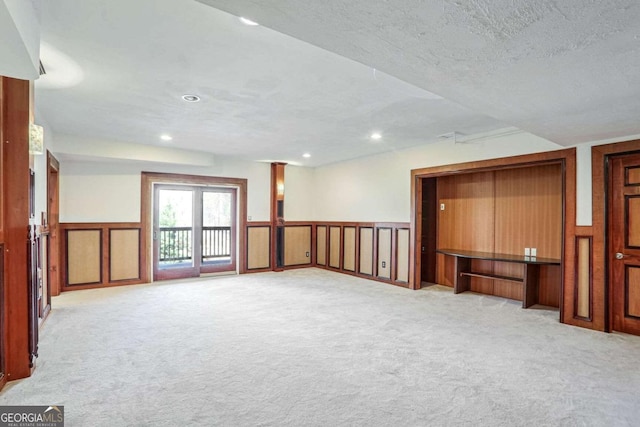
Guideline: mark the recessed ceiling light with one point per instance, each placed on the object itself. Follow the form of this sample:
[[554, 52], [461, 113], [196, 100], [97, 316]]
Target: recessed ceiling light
[[306, 155], [376, 136], [191, 98], [166, 137], [249, 22]]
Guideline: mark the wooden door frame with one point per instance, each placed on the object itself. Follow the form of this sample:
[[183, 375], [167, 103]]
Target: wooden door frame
[[53, 251], [148, 179], [566, 157], [600, 159]]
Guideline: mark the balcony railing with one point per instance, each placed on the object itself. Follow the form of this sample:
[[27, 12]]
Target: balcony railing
[[176, 244], [216, 243]]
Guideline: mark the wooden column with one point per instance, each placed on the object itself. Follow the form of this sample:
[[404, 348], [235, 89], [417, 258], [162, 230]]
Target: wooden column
[[15, 224], [277, 216]]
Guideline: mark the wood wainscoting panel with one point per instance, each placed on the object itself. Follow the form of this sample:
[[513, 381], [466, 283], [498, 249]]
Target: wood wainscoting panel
[[384, 253], [258, 247], [402, 255], [84, 256], [633, 292], [366, 251], [349, 249], [124, 254], [334, 246], [321, 245], [297, 245], [582, 296]]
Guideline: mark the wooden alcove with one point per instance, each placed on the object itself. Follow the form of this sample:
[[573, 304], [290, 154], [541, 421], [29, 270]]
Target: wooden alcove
[[497, 206]]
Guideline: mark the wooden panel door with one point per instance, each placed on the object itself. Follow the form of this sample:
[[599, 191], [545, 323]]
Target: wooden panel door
[[624, 242]]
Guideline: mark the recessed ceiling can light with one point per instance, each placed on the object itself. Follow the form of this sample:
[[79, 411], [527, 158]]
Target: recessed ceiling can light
[[306, 155], [376, 136], [166, 137], [249, 22], [191, 98]]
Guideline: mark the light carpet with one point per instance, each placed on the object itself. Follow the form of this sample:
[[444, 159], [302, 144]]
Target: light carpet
[[313, 347]]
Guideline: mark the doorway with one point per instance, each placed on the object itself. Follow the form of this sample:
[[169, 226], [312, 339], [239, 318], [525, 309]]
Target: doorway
[[624, 241], [429, 231], [52, 245], [194, 230]]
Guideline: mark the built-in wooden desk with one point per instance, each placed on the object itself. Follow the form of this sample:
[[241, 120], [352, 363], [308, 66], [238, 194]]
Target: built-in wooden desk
[[464, 273]]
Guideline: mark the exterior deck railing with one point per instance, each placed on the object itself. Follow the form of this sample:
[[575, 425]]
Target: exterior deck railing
[[176, 243]]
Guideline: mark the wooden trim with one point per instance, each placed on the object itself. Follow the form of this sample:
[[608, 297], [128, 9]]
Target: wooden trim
[[299, 225], [15, 223], [146, 210], [396, 257], [355, 247], [108, 256], [566, 157], [277, 217], [52, 225], [3, 331], [257, 224], [576, 301], [105, 262], [374, 226]]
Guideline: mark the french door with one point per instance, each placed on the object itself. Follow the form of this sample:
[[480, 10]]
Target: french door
[[194, 230], [624, 242]]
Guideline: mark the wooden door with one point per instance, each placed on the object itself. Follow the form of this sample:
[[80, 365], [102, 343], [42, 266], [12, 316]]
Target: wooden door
[[624, 242], [53, 215]]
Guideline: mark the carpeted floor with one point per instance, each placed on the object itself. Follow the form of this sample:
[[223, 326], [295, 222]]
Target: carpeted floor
[[312, 347]]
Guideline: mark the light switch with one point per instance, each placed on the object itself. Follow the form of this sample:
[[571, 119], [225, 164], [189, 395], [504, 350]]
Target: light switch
[[534, 252], [527, 251], [441, 206]]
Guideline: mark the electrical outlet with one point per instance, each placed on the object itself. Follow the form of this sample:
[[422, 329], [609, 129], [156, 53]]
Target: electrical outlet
[[384, 264], [441, 206], [534, 251], [307, 254], [527, 251]]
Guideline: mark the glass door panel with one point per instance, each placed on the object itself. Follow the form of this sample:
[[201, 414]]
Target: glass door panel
[[194, 231], [174, 233], [218, 230]]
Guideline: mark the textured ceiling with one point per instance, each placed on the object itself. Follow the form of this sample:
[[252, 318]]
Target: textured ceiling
[[320, 77], [116, 70], [566, 70]]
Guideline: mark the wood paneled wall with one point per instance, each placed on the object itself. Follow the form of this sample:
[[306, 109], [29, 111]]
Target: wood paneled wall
[[101, 254], [378, 251], [297, 245], [15, 108], [503, 211], [258, 247]]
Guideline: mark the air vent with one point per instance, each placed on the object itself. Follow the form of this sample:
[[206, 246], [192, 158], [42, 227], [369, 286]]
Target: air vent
[[42, 70]]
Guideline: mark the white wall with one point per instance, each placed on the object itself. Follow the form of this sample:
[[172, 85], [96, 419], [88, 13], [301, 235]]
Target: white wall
[[298, 199], [99, 191], [378, 188]]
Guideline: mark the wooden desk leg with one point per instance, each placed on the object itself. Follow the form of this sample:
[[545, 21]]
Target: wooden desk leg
[[530, 292], [461, 283]]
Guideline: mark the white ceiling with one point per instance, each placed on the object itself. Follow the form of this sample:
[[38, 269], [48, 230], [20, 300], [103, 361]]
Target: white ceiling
[[116, 70]]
